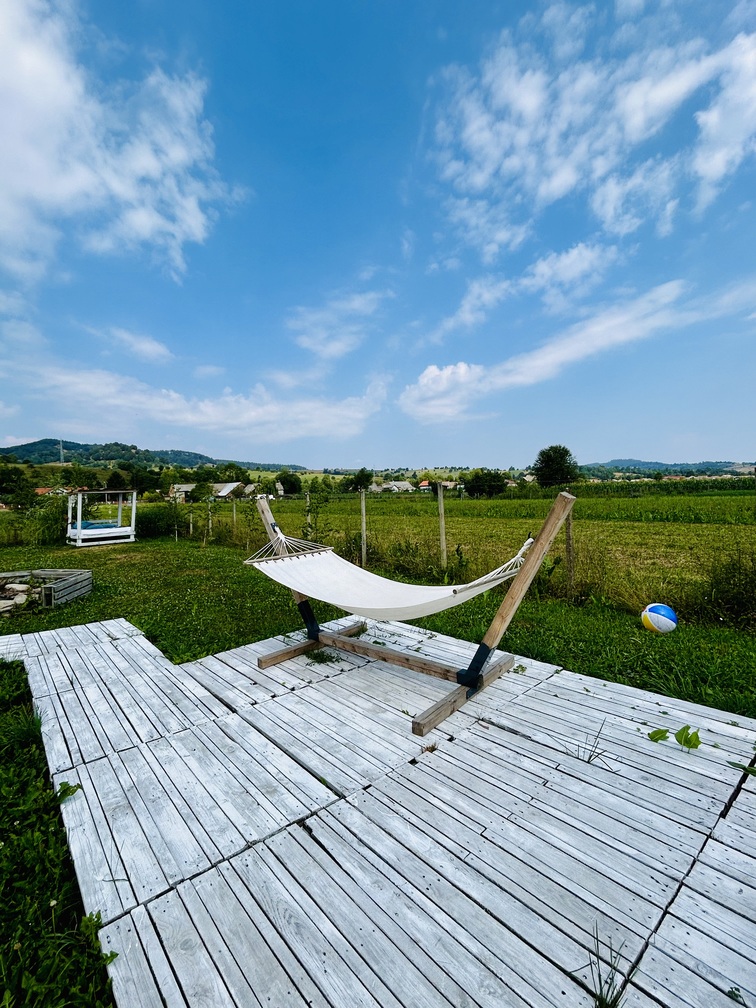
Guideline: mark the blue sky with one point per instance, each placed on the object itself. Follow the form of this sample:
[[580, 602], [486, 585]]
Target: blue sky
[[380, 232]]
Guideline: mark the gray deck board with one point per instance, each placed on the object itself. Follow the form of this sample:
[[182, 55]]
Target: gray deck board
[[279, 838]]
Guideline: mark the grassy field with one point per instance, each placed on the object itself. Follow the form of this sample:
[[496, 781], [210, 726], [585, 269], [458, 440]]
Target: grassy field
[[194, 597]]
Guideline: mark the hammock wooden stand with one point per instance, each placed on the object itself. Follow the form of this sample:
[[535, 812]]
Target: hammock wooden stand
[[470, 680]]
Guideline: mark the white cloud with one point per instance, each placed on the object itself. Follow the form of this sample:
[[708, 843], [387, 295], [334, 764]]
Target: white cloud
[[444, 392], [91, 394], [482, 295], [208, 371], [337, 328], [128, 164], [18, 334], [572, 273], [560, 278], [143, 347], [637, 132], [728, 126]]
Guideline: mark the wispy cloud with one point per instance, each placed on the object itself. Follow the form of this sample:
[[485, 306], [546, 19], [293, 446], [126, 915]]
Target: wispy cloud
[[528, 128], [337, 328], [91, 394], [442, 393], [130, 165], [208, 371], [143, 347], [559, 278]]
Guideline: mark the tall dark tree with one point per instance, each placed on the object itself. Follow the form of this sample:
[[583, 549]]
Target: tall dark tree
[[360, 480], [291, 482], [555, 466], [485, 482], [116, 481]]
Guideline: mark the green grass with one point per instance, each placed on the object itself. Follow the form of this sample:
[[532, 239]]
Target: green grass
[[49, 954]]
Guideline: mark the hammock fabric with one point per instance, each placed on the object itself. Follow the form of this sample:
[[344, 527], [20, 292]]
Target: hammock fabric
[[318, 572]]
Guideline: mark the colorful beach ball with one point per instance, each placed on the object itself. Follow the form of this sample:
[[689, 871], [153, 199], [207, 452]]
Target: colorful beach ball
[[659, 618]]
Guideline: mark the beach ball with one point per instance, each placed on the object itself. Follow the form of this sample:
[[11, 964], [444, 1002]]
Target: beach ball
[[659, 618]]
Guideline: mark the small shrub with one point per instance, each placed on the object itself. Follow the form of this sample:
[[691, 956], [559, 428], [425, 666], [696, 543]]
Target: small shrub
[[727, 594], [45, 523], [154, 521]]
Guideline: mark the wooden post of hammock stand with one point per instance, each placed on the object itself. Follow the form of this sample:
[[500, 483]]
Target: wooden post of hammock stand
[[473, 679]]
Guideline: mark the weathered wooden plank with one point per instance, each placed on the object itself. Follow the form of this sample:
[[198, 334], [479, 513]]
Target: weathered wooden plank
[[732, 926], [566, 898], [373, 731], [12, 647], [291, 788], [705, 790], [306, 745], [131, 972], [145, 857], [675, 801], [442, 958], [631, 732], [305, 733], [694, 983], [715, 885], [201, 984], [496, 807], [229, 933], [442, 709], [100, 872], [141, 974], [105, 720], [402, 658], [500, 932], [630, 698], [346, 905], [261, 933], [325, 953], [303, 646], [191, 700], [171, 818], [232, 812]]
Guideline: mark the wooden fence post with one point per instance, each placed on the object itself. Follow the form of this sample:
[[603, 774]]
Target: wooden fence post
[[442, 523], [363, 528]]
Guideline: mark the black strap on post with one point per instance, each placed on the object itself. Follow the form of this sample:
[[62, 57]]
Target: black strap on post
[[471, 675], [305, 611]]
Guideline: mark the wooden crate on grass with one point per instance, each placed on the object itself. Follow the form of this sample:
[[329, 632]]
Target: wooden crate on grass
[[56, 586]]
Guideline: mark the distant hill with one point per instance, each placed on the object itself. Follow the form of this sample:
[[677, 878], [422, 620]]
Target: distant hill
[[49, 450], [622, 465]]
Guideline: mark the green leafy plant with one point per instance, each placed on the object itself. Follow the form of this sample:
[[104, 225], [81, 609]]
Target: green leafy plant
[[659, 735], [688, 739], [751, 771]]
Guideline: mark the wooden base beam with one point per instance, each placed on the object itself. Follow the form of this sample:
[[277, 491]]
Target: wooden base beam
[[433, 716], [377, 652], [294, 650]]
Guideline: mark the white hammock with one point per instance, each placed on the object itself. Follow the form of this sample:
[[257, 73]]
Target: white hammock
[[318, 572]]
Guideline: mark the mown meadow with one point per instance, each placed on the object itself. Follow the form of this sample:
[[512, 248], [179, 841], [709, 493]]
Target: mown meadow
[[192, 596]]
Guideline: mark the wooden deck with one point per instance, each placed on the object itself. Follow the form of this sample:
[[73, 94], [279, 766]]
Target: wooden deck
[[280, 838]]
